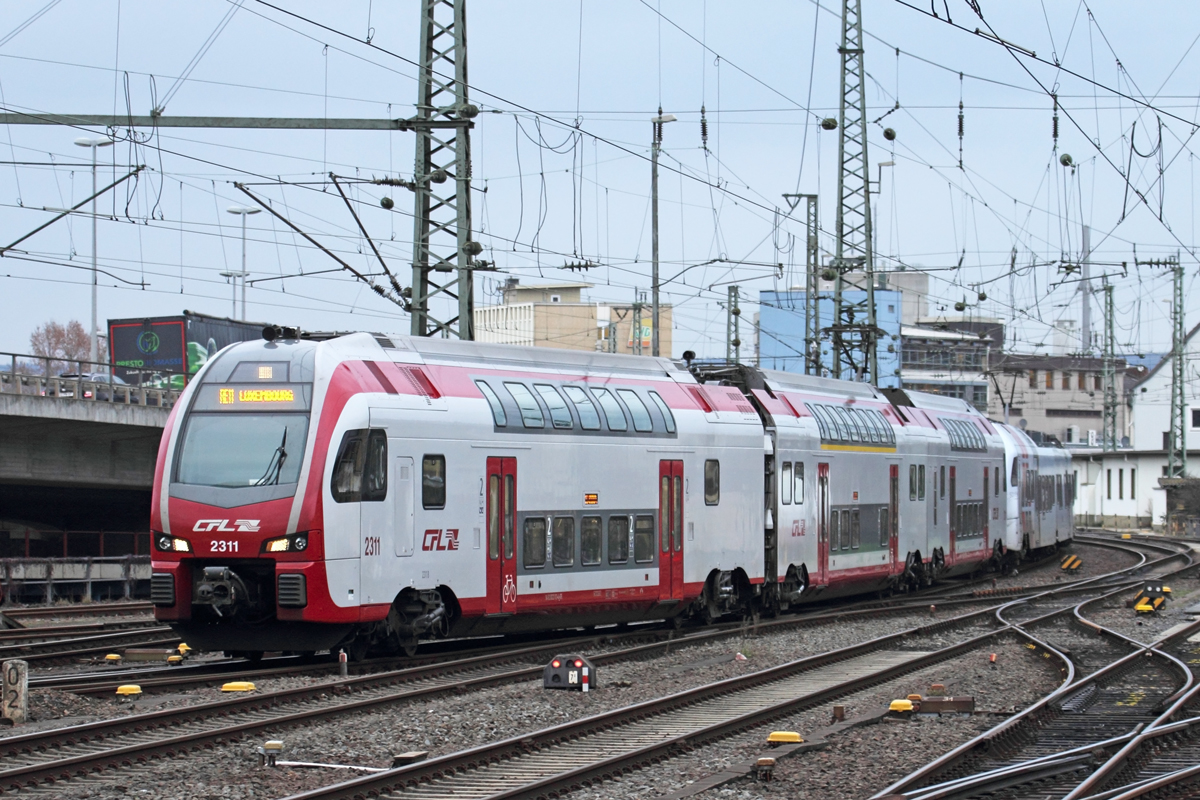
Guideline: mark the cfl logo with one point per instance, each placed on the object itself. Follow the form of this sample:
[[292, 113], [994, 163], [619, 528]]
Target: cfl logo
[[222, 526], [438, 539]]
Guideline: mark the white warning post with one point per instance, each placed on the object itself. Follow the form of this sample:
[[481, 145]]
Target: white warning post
[[16, 691]]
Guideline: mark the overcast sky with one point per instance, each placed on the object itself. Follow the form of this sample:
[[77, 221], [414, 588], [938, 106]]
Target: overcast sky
[[571, 182]]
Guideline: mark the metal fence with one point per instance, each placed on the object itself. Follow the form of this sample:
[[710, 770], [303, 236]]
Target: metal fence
[[71, 379], [29, 543]]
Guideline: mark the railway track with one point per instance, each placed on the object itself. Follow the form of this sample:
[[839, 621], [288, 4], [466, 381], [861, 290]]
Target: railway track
[[158, 679], [1083, 735], [78, 610], [33, 759]]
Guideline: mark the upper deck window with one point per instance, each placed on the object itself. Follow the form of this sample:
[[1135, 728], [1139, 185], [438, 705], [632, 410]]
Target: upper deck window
[[531, 412]]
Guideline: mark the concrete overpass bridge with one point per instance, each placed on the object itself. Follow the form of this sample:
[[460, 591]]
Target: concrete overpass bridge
[[76, 468]]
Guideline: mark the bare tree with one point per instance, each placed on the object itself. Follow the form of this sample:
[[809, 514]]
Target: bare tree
[[61, 343]]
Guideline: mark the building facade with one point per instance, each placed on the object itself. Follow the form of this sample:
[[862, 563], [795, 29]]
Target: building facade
[[556, 315], [1122, 488]]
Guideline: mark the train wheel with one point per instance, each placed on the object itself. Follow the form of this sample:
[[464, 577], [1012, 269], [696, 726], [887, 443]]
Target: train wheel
[[253, 656], [409, 646]]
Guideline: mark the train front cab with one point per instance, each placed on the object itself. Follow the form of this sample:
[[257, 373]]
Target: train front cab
[[237, 562]]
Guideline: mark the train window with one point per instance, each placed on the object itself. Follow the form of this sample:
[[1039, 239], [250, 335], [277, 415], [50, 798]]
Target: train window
[[664, 409], [1012, 478], [664, 511], [563, 542], [589, 420], [618, 540], [375, 471], [641, 417], [531, 412], [677, 515], [912, 481], [798, 495], [612, 410], [785, 484], [852, 431], [1132, 494], [590, 534], [498, 415], [560, 415], [884, 526], [837, 430], [510, 514], [1058, 493], [855, 529], [835, 527], [846, 529], [867, 417], [643, 538], [712, 482], [493, 523], [888, 433], [920, 481], [533, 542], [346, 481], [820, 420], [996, 480], [433, 481], [942, 482]]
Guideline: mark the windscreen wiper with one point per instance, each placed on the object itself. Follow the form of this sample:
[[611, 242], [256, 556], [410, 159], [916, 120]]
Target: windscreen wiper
[[275, 467]]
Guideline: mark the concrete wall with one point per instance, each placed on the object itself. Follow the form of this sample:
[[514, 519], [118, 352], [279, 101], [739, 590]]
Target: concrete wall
[[49, 441]]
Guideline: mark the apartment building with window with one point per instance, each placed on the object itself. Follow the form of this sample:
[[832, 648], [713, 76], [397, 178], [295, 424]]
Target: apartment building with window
[[556, 315], [1062, 396]]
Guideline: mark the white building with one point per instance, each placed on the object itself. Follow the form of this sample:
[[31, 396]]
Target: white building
[[1121, 488]]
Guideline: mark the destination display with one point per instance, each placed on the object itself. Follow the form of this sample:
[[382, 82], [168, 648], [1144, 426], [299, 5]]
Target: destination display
[[244, 397]]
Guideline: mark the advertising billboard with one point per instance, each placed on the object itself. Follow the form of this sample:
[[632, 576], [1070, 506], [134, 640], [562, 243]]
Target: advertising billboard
[[163, 352]]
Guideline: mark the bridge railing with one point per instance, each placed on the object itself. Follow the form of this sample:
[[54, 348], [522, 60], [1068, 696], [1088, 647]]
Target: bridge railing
[[41, 376]]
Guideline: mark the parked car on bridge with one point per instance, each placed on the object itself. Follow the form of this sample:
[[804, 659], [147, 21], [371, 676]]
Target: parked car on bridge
[[100, 391]]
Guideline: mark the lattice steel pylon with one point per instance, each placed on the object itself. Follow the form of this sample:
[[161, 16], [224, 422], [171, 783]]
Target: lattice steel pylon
[[443, 249], [854, 333], [1110, 371], [812, 294], [1177, 452]]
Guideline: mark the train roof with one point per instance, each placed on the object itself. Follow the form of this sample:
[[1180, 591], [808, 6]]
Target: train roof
[[930, 402], [458, 350], [777, 379]]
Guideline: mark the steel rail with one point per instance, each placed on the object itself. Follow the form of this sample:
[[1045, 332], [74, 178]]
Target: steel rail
[[1038, 710], [329, 698]]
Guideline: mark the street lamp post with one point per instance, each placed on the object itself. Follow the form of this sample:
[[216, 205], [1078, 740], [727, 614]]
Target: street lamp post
[[243, 212], [655, 146], [95, 331]]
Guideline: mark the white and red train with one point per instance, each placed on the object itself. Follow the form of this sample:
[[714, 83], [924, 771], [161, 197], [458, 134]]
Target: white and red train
[[367, 492]]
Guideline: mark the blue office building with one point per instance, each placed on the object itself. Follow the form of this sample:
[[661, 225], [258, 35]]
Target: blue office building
[[781, 330]]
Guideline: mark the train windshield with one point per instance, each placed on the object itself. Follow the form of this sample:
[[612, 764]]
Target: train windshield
[[236, 450]]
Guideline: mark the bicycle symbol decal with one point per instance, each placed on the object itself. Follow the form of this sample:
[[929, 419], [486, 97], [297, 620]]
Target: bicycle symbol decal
[[510, 590]]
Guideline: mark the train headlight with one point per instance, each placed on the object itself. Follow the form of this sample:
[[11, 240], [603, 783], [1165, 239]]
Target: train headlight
[[171, 544], [286, 544]]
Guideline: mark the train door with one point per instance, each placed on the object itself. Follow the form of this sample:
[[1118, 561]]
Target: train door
[[987, 510], [822, 524], [377, 521], [501, 534], [893, 518], [670, 530], [402, 469], [953, 508]]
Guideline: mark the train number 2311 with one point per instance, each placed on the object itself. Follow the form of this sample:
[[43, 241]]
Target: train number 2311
[[371, 546], [223, 546]]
